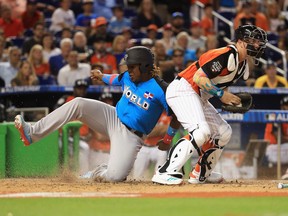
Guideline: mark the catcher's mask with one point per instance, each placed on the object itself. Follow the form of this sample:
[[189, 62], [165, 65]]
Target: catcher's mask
[[251, 35], [140, 55]]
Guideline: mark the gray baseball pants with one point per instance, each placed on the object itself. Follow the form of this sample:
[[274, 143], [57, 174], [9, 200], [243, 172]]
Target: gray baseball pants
[[99, 117]]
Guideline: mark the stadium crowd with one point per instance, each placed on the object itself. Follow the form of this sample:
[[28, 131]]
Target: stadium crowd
[[59, 38]]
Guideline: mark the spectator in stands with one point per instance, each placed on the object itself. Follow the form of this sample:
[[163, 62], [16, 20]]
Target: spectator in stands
[[207, 23], [271, 79], [65, 33], [38, 31], [118, 22], [73, 70], [11, 27], [182, 41], [195, 10], [274, 16], [101, 55], [271, 134], [261, 18], [127, 33], [47, 6], [162, 60], [149, 153], [76, 7], [8, 70], [80, 45], [62, 17], [211, 42], [58, 61], [83, 20], [49, 47], [147, 15], [167, 36], [119, 47], [178, 65], [3, 50], [99, 29], [282, 37], [249, 15], [281, 41], [100, 144], [80, 90], [41, 67], [178, 23], [152, 32], [25, 76], [197, 38], [31, 15], [199, 52], [103, 8]]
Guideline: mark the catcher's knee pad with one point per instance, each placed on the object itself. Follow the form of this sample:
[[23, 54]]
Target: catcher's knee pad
[[199, 136], [177, 157], [225, 132], [207, 163]]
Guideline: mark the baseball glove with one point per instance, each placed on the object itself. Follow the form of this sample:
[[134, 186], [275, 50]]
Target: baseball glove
[[246, 104]]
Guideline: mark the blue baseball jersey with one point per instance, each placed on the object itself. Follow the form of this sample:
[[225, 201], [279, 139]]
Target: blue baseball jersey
[[142, 103]]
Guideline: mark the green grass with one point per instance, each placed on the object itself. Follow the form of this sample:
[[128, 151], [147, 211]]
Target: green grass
[[252, 206]]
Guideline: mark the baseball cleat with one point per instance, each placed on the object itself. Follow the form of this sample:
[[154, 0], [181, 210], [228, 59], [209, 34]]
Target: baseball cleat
[[214, 177], [96, 173], [24, 130], [166, 179]]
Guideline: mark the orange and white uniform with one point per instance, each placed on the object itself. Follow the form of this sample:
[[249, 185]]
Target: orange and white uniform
[[189, 102]]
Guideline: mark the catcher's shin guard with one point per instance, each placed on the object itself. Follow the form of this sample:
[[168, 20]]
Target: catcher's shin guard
[[206, 164], [177, 157]]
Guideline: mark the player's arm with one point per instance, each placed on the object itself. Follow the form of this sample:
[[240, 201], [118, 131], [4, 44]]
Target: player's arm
[[165, 143], [109, 79], [201, 79]]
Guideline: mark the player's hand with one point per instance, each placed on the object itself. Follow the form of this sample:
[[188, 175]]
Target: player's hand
[[96, 75], [229, 98], [163, 146]]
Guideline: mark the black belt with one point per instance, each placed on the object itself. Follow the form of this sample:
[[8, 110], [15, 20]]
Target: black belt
[[138, 133]]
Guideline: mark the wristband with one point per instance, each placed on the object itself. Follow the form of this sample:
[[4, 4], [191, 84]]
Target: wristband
[[169, 135], [106, 78], [216, 91], [167, 139]]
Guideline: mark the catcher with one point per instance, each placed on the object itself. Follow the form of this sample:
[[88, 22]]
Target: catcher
[[188, 97]]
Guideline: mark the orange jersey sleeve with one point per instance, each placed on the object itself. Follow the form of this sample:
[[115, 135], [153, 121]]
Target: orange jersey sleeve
[[213, 63]]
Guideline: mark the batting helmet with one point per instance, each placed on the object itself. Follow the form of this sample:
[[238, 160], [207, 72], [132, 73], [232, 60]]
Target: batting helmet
[[140, 55], [250, 33]]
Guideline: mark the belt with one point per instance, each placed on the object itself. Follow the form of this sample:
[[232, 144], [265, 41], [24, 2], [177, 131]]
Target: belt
[[138, 133]]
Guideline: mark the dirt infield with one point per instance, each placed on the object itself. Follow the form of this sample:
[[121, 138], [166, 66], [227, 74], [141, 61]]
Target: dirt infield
[[73, 186]]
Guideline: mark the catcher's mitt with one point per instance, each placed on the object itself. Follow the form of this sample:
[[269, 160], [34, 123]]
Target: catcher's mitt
[[246, 104]]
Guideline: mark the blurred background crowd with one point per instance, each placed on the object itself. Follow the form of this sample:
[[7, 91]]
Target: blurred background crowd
[[50, 42]]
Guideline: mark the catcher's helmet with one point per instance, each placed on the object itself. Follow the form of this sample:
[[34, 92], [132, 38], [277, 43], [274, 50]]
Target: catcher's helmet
[[250, 34], [140, 55]]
